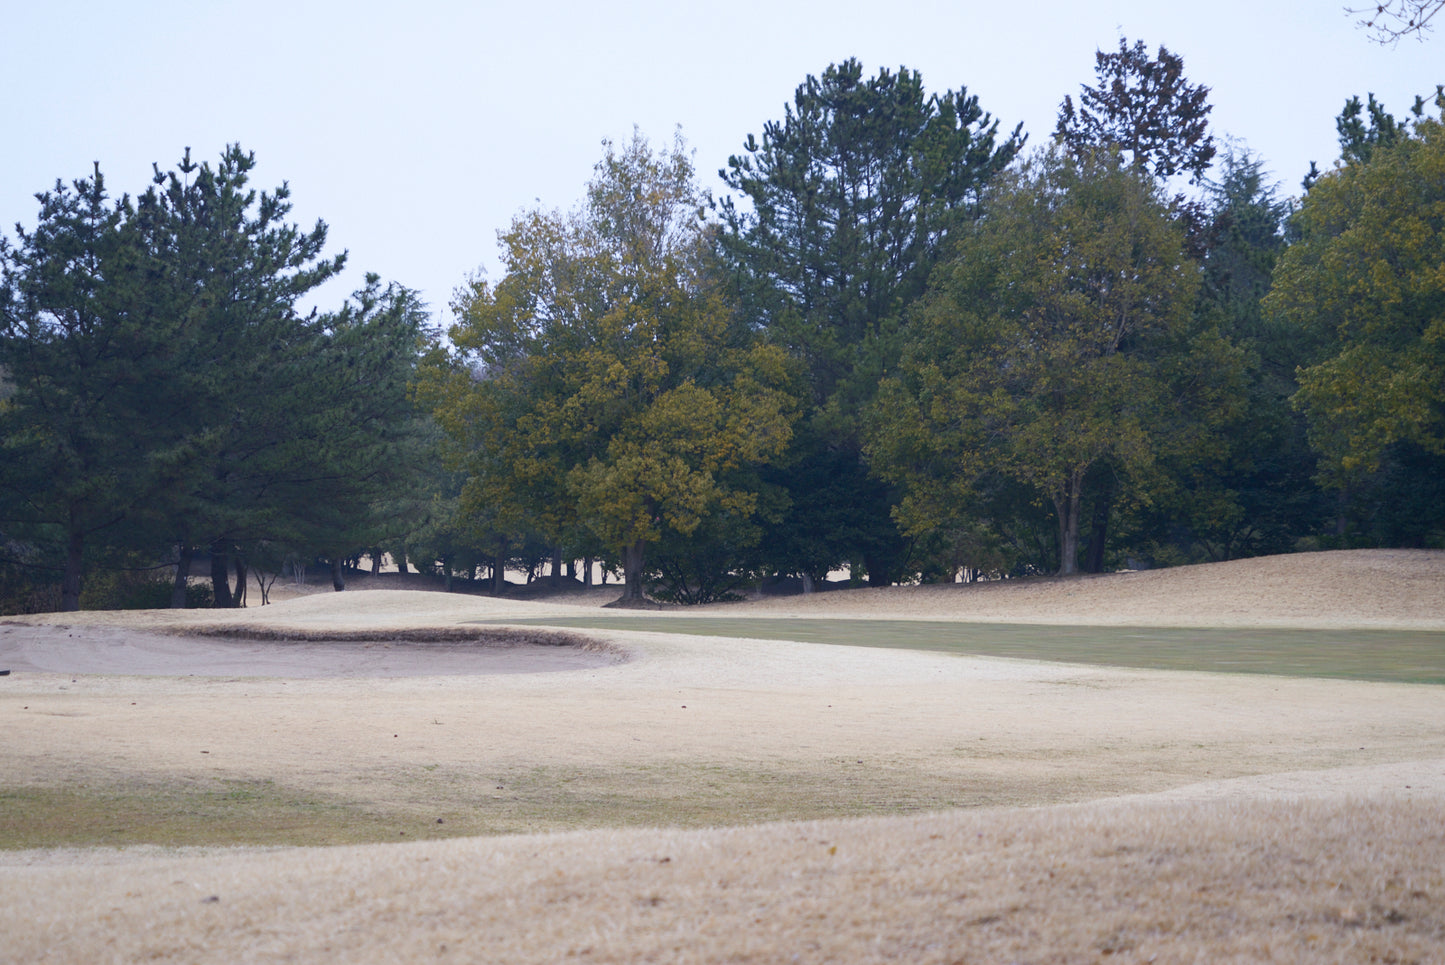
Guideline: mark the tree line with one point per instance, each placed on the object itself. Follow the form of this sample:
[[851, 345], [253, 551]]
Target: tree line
[[900, 341]]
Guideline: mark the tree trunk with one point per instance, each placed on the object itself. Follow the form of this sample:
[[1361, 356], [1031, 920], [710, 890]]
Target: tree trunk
[[220, 575], [447, 569], [401, 559], [807, 583], [375, 562], [499, 570], [338, 574], [556, 576], [240, 597], [587, 571], [1066, 505], [183, 571], [633, 556], [70, 582]]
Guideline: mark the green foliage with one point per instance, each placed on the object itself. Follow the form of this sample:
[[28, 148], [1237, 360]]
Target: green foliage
[[716, 562], [1365, 285], [1057, 340], [1358, 139], [164, 391], [1144, 109], [81, 346], [599, 395], [137, 590], [370, 451], [850, 199], [1252, 493]]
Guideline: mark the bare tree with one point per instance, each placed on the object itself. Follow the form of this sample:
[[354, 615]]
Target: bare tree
[[1388, 22]]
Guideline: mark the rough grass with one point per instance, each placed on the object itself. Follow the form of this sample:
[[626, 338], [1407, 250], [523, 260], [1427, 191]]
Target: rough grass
[[1285, 882], [1234, 879], [1398, 656]]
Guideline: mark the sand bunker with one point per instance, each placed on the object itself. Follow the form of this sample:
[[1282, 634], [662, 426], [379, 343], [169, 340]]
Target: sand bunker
[[123, 650]]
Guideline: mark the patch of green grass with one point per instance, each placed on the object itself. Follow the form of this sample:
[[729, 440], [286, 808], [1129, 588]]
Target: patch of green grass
[[177, 815], [407, 806], [1400, 656]]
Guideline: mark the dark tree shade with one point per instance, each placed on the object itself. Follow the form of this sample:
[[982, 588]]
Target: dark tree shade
[[78, 348], [160, 392]]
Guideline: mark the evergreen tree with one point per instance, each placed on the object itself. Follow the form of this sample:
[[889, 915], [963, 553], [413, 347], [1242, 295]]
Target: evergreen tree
[[80, 346], [235, 271], [367, 446], [849, 200], [163, 388], [1144, 109], [1256, 495]]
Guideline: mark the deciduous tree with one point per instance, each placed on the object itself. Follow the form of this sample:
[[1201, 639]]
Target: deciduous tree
[[1057, 339], [600, 388], [1365, 280], [1390, 20]]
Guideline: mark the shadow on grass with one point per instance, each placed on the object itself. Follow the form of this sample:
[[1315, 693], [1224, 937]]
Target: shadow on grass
[[1397, 656]]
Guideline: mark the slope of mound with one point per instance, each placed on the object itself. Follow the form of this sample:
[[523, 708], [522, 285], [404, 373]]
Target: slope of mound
[[1401, 589], [350, 612], [1300, 881]]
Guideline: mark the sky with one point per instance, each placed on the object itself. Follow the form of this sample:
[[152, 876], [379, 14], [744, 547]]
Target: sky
[[418, 130]]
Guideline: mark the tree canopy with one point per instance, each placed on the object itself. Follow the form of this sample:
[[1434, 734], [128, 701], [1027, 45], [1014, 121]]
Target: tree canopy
[[1144, 109], [168, 392], [849, 200], [599, 389], [1364, 281], [1055, 339], [893, 343]]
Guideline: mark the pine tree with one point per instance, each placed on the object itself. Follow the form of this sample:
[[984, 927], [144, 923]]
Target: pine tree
[[851, 199]]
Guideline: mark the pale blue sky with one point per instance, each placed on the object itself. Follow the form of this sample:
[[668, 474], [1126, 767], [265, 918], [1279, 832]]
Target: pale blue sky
[[417, 130]]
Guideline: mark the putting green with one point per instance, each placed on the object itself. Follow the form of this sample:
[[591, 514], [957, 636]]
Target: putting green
[[1399, 656]]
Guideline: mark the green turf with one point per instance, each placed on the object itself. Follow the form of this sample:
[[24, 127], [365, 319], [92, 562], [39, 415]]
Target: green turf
[[444, 803], [1402, 656], [176, 814]]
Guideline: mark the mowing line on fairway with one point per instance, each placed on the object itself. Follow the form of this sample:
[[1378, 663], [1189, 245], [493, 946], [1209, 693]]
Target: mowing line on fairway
[[1395, 656]]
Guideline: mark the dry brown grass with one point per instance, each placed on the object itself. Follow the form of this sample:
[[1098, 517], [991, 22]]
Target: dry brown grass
[[1244, 881], [1300, 819]]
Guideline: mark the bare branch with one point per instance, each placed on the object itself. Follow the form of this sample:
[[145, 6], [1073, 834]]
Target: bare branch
[[1388, 21]]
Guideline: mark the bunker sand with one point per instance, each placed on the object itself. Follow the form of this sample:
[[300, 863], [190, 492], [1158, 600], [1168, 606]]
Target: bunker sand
[[1292, 814]]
